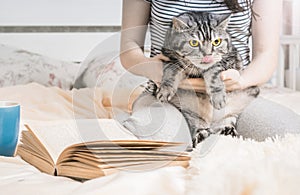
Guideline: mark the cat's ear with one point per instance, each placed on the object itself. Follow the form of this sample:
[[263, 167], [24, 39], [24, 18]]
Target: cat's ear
[[220, 20], [224, 20], [180, 23]]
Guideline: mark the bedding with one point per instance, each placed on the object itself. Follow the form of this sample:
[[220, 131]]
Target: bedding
[[219, 165], [269, 167]]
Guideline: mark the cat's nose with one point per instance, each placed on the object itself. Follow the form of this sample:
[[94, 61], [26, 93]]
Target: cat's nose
[[207, 59]]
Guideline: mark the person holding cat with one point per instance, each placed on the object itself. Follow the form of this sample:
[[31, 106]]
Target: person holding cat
[[249, 18]]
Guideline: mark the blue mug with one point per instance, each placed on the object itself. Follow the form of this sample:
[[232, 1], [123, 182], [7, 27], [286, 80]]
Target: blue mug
[[9, 127]]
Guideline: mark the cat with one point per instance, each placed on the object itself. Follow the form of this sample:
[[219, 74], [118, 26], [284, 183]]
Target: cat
[[199, 46]]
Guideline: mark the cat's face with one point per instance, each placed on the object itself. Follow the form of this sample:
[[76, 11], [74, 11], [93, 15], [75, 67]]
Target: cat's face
[[200, 37]]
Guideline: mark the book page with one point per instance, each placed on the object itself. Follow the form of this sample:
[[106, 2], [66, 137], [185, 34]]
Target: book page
[[58, 135]]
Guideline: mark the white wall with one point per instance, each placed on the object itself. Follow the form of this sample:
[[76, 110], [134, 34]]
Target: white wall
[[60, 12], [296, 17], [289, 69], [291, 17], [65, 46]]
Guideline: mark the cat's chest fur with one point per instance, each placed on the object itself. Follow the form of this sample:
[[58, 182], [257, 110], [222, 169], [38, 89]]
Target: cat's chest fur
[[180, 62], [189, 69]]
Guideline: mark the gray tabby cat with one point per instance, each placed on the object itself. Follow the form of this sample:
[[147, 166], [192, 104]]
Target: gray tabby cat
[[199, 46]]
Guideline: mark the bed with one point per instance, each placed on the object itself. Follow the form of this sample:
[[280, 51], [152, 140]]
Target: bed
[[44, 87], [268, 167]]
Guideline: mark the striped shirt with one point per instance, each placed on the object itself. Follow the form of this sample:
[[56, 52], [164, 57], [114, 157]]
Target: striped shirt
[[162, 12]]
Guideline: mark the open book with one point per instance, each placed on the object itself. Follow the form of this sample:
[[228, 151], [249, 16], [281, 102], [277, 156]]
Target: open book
[[90, 148]]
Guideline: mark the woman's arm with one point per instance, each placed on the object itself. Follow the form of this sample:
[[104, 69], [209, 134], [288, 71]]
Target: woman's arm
[[136, 14], [265, 47]]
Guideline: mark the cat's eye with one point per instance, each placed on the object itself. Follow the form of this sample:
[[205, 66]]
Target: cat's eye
[[217, 42], [194, 43]]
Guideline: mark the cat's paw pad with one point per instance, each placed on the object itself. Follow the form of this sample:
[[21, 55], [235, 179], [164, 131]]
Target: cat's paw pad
[[165, 94], [200, 135], [218, 100], [229, 130]]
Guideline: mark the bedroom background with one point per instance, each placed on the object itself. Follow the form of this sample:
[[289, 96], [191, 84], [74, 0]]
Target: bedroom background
[[65, 33], [69, 30]]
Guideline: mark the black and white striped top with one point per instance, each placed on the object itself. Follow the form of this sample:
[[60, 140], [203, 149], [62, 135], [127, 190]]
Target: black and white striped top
[[162, 12]]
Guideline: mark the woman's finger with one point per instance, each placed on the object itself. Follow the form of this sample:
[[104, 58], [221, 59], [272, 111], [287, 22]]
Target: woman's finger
[[196, 84], [230, 74], [162, 57], [230, 82], [231, 85]]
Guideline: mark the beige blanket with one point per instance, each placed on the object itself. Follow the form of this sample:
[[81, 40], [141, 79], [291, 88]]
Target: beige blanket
[[52, 103], [254, 168]]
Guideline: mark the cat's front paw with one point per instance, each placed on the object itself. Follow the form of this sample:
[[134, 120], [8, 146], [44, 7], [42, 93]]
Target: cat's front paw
[[218, 100], [165, 93], [200, 135]]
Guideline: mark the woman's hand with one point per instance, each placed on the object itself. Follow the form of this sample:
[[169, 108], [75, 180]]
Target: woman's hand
[[233, 80], [196, 84]]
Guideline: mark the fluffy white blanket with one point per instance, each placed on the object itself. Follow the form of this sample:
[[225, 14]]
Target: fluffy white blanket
[[220, 165], [225, 165]]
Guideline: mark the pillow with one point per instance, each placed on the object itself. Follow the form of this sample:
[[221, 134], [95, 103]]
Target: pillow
[[120, 87], [21, 67], [107, 74], [102, 68]]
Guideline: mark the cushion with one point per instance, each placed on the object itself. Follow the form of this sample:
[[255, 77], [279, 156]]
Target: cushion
[[21, 67], [102, 68]]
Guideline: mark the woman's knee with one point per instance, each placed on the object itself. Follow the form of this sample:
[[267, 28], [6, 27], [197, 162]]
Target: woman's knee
[[264, 118]]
